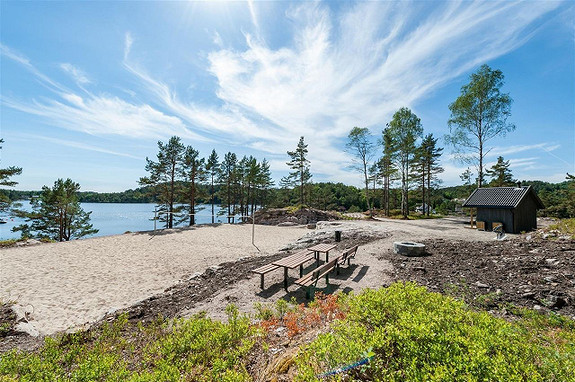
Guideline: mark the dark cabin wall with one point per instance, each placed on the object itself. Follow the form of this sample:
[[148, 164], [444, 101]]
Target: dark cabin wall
[[490, 215], [525, 215]]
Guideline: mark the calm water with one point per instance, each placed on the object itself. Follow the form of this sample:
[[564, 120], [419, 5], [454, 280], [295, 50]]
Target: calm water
[[115, 218]]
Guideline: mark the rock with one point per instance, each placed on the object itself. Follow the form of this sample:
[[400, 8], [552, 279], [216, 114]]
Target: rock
[[554, 302], [481, 285], [27, 327], [276, 216], [528, 295], [287, 224], [214, 268], [552, 261], [311, 226]]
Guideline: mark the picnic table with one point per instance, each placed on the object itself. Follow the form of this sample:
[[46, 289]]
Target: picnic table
[[296, 260], [321, 248]]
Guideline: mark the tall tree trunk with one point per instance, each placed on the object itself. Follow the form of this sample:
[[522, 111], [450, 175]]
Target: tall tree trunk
[[428, 187], [212, 195], [228, 200]]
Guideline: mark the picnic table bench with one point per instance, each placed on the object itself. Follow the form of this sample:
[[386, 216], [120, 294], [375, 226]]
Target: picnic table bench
[[290, 262], [310, 280]]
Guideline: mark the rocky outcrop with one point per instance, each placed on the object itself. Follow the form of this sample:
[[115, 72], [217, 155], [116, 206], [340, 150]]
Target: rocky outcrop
[[287, 216]]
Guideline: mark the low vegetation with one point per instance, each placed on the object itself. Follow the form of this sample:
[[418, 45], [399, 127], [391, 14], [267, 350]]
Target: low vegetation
[[400, 333], [565, 227]]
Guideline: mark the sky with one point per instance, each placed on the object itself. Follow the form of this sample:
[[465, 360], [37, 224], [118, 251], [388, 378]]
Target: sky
[[87, 89]]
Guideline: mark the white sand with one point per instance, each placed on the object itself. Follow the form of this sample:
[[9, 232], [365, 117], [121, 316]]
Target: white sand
[[65, 285]]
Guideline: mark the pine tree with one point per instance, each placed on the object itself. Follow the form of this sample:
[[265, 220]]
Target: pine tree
[[431, 154], [264, 182], [227, 174], [300, 164], [388, 170], [500, 174], [193, 173], [5, 174], [164, 176], [57, 214], [212, 169], [404, 129]]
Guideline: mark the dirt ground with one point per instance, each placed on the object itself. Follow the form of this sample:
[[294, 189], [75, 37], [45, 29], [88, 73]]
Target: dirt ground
[[467, 263]]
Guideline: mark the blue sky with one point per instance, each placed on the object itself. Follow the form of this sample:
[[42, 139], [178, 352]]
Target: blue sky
[[88, 88]]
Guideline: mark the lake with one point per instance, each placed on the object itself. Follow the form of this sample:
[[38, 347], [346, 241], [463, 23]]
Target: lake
[[115, 218]]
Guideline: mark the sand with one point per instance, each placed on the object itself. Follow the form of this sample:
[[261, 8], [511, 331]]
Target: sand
[[368, 270], [66, 285]]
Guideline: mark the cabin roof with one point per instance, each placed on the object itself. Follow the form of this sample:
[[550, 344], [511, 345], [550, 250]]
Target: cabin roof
[[501, 197]]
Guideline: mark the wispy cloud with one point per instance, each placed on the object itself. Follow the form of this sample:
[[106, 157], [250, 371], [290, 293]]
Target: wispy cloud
[[337, 69], [546, 146], [77, 74], [94, 114], [82, 146], [339, 72]]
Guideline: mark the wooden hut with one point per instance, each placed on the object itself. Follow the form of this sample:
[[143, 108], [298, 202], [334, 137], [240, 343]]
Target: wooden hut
[[514, 207]]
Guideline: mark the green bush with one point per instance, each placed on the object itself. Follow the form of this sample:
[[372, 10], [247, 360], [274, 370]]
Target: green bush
[[193, 349], [421, 336], [406, 332]]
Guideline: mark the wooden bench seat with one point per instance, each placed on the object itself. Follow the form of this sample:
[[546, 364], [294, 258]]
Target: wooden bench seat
[[310, 280], [347, 255], [263, 270]]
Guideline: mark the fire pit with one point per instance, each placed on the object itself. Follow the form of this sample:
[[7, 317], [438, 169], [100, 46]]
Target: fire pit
[[408, 248]]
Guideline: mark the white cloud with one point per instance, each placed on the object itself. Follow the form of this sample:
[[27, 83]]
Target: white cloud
[[83, 146], [92, 114], [77, 74], [336, 70], [502, 151], [104, 116]]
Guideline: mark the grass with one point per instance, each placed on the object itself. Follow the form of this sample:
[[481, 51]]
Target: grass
[[408, 333], [565, 226], [9, 242]]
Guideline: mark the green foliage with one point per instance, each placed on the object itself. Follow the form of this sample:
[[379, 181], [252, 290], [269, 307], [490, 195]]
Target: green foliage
[[408, 333], [500, 174], [565, 226], [163, 177], [359, 145], [479, 114], [421, 336], [405, 128], [56, 214], [300, 176], [5, 175], [193, 349]]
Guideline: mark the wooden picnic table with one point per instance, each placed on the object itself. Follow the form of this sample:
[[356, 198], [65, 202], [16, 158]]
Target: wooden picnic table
[[293, 261], [321, 248]]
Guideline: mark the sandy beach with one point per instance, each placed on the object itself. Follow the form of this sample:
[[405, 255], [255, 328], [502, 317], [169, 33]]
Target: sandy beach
[[65, 285]]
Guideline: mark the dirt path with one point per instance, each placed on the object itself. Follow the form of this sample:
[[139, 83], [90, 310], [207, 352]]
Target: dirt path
[[368, 270]]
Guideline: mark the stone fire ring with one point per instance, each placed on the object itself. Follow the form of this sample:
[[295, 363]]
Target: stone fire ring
[[408, 248]]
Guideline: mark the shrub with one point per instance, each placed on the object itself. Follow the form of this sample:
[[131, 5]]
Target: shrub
[[421, 336]]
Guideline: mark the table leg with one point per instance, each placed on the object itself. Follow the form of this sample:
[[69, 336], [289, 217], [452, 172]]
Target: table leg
[[316, 254], [327, 256], [301, 270], [285, 278]]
